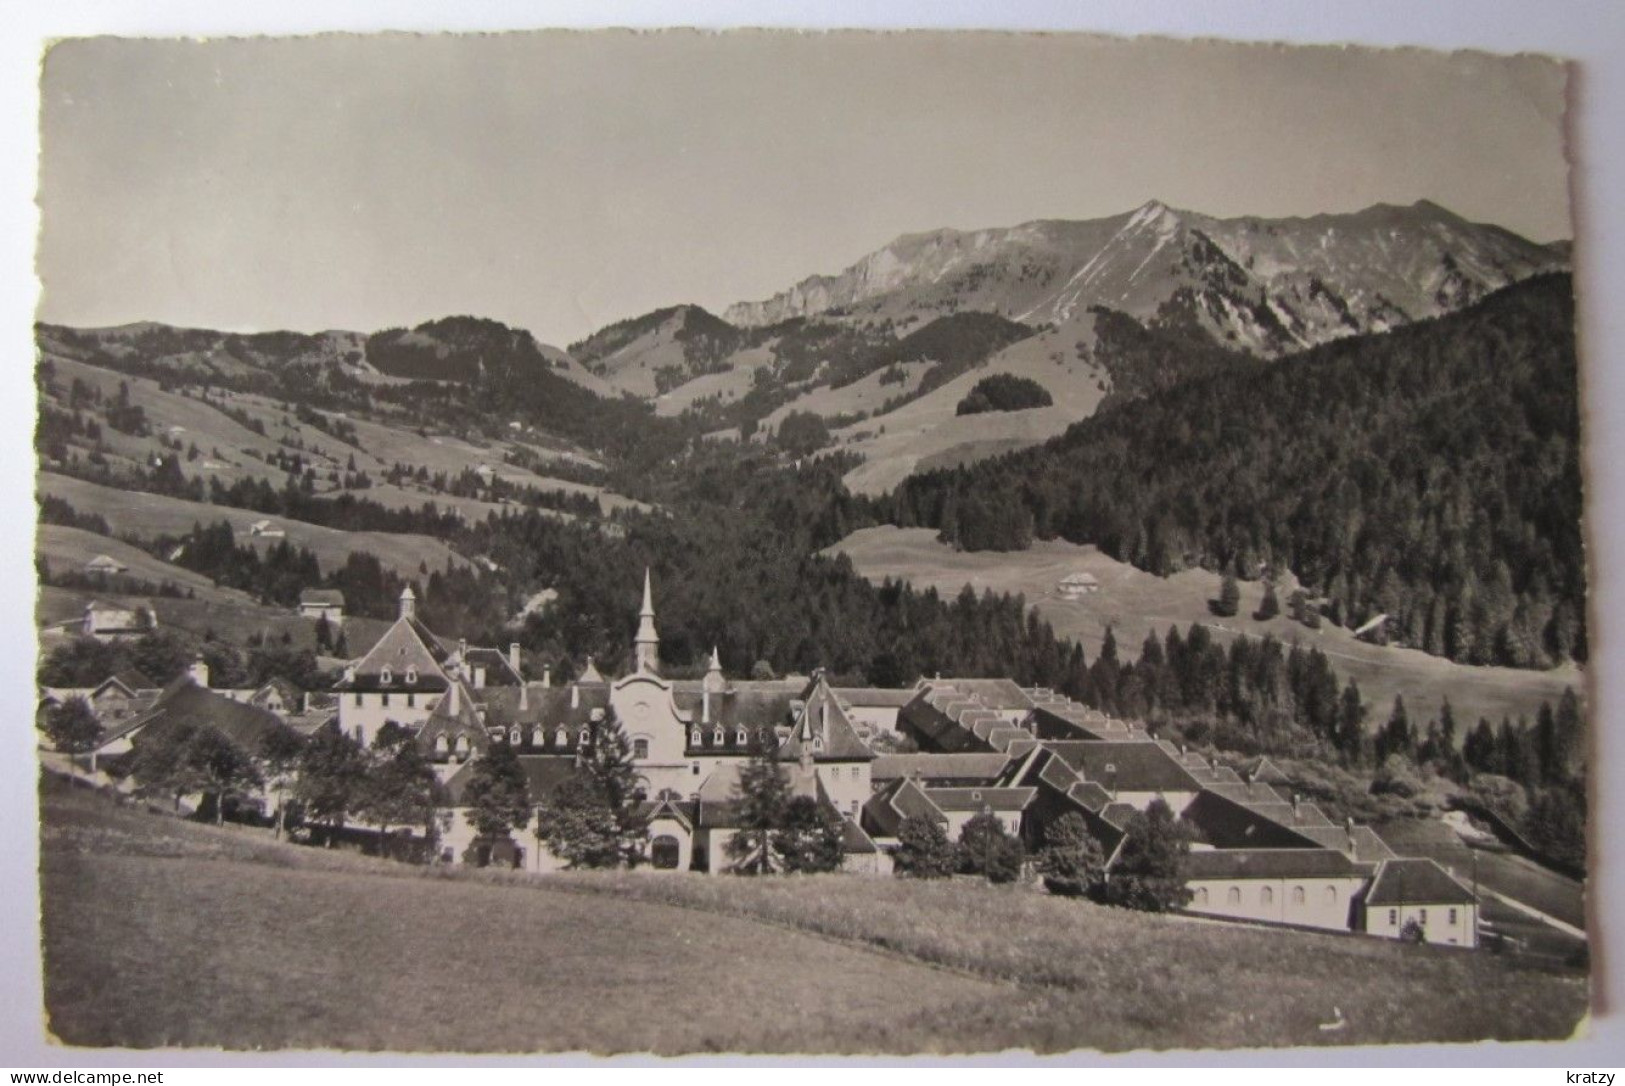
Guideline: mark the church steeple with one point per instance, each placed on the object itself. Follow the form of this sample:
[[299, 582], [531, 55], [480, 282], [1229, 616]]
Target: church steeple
[[646, 646]]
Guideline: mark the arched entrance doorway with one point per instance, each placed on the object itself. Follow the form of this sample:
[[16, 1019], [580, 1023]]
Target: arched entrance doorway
[[664, 852]]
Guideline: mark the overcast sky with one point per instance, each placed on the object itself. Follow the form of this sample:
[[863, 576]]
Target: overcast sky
[[561, 181]]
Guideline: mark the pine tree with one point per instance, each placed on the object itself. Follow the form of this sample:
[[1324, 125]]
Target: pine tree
[[579, 827], [761, 796], [1270, 606], [610, 767], [1229, 601]]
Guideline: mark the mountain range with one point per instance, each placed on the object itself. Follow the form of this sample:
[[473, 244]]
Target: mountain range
[[1267, 285]]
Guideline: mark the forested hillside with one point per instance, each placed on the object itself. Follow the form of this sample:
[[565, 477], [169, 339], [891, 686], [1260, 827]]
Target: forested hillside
[[1430, 474]]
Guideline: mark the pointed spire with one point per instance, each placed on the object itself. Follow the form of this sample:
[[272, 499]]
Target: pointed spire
[[646, 645], [408, 602]]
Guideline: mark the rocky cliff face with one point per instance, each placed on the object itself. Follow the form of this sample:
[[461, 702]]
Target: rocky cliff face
[[1267, 285]]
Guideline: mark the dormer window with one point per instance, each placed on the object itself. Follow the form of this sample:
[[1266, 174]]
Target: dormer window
[[695, 738], [462, 748], [740, 737], [538, 736], [411, 675], [584, 738], [387, 676], [716, 737], [560, 737], [442, 745], [818, 742], [514, 735]]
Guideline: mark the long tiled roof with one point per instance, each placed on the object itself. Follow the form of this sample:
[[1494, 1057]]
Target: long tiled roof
[[1272, 863], [1416, 882], [971, 767]]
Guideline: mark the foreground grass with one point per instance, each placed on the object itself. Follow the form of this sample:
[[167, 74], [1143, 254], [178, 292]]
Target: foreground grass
[[159, 932]]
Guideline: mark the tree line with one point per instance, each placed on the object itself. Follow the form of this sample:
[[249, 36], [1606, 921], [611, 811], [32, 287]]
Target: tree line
[[1429, 474]]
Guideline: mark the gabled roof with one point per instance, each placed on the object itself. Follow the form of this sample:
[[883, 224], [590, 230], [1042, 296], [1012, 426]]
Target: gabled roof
[[453, 716], [499, 670], [1361, 843], [1226, 824], [718, 794], [133, 680], [979, 799], [183, 703], [1126, 765], [1416, 882], [1272, 863], [887, 809], [406, 647], [824, 732], [873, 697], [326, 597]]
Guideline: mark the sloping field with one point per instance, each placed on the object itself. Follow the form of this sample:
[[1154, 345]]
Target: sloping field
[[230, 620], [1135, 603], [165, 933], [927, 427], [728, 385], [159, 933], [868, 394], [145, 515], [68, 549]]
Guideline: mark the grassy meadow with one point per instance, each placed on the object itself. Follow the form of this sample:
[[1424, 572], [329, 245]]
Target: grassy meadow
[[1134, 603], [159, 933]]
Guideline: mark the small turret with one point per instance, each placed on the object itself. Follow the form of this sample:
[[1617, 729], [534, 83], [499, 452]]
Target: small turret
[[409, 602]]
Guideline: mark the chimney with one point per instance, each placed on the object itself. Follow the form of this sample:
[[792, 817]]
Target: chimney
[[513, 657], [705, 705], [462, 651], [547, 676], [409, 602], [1348, 831], [575, 696], [452, 695], [1297, 807], [524, 697], [199, 672]]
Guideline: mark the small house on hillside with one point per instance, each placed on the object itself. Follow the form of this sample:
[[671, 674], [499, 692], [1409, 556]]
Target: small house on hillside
[[103, 564], [319, 603], [266, 529], [115, 621], [1418, 891], [1077, 585]]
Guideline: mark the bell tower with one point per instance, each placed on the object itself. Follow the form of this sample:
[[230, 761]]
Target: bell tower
[[646, 646]]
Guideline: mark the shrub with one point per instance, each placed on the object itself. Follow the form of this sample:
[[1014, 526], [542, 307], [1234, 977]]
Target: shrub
[[1072, 862]]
